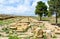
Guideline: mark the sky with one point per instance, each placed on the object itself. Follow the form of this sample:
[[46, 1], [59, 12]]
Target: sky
[[19, 7]]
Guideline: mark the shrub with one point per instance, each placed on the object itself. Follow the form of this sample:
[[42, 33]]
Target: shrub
[[45, 37], [13, 37], [0, 35], [5, 30], [54, 36]]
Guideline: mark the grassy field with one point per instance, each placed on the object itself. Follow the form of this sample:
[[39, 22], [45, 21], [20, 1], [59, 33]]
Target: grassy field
[[50, 19]]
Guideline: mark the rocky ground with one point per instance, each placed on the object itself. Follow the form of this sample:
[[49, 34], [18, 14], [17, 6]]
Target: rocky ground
[[32, 31]]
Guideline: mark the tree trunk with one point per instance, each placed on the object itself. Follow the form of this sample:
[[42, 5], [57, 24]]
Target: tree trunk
[[56, 19], [40, 18]]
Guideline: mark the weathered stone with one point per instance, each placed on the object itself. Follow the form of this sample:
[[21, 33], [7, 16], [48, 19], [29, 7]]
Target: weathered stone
[[57, 32], [39, 33], [48, 34]]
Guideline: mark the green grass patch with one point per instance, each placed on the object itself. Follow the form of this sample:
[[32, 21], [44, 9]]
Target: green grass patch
[[13, 37], [54, 36], [6, 22]]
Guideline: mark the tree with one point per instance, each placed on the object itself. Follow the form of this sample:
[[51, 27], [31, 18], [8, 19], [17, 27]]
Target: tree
[[41, 9], [54, 8]]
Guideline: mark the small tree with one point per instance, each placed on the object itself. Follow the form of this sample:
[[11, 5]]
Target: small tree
[[41, 9]]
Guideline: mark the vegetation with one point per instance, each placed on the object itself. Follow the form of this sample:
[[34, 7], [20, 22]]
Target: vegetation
[[42, 27], [54, 36], [45, 37], [5, 30], [41, 9], [54, 8], [0, 34], [6, 22], [13, 37]]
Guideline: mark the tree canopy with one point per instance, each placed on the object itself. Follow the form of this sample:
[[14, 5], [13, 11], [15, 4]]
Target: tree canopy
[[54, 6], [41, 9]]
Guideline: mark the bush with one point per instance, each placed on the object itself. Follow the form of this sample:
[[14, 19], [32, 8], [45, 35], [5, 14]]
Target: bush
[[0, 35], [6, 30], [54, 36], [45, 37], [43, 26], [13, 37]]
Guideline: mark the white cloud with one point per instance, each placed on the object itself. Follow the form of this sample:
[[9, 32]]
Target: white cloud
[[18, 6]]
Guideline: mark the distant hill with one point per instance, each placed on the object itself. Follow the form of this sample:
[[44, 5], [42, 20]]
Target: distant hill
[[4, 16]]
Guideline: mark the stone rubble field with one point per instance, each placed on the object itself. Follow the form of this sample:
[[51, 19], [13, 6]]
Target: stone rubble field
[[29, 28]]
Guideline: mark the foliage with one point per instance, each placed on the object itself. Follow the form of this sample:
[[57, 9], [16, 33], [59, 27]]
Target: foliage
[[54, 5], [13, 37], [5, 22], [45, 18], [54, 8], [54, 36], [41, 9], [5, 30], [42, 27], [0, 34], [45, 37]]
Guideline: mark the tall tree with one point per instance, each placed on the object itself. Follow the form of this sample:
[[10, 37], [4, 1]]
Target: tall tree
[[54, 8], [41, 9]]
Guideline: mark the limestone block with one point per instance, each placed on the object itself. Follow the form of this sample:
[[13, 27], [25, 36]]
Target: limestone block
[[39, 33]]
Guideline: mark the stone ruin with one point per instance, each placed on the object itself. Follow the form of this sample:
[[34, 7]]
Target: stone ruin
[[29, 25]]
